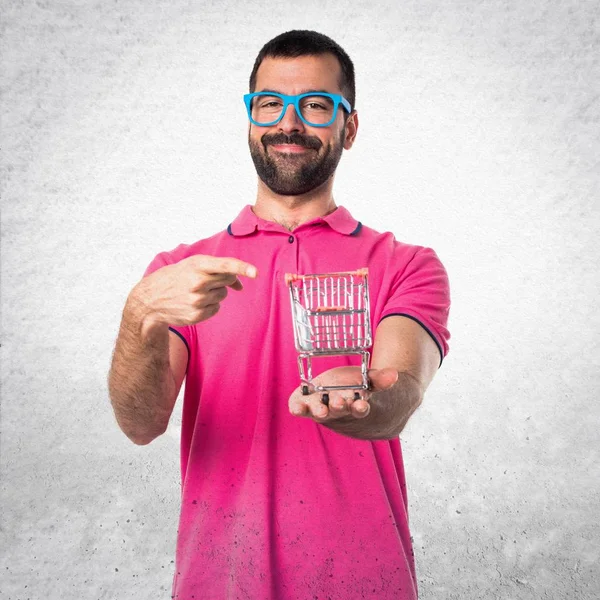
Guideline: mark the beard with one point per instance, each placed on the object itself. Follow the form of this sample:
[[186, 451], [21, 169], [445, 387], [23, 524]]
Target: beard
[[292, 174]]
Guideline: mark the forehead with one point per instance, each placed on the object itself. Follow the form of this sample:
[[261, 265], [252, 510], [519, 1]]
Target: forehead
[[294, 75]]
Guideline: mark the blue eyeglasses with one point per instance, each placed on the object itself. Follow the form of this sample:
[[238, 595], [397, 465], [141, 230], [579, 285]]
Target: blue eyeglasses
[[316, 109]]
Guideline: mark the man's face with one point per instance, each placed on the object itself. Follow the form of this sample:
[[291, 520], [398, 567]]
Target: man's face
[[290, 157]]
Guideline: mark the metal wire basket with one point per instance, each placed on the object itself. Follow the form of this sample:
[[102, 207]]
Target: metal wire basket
[[331, 317]]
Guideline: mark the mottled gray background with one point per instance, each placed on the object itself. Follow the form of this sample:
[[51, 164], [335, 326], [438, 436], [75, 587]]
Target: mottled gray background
[[124, 134]]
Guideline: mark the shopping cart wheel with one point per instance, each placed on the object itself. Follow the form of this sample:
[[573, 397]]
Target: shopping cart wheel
[[325, 399], [305, 390], [356, 396]]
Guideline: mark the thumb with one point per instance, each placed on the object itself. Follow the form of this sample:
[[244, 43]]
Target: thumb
[[382, 379]]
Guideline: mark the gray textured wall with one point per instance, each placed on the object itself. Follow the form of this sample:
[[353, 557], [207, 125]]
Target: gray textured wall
[[124, 134]]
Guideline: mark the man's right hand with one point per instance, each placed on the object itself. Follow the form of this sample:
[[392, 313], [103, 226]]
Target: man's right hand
[[189, 291]]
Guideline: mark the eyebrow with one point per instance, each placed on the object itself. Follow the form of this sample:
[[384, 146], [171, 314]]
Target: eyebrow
[[302, 92]]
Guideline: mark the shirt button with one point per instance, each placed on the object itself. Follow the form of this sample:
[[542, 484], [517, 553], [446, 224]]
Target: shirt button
[[291, 239]]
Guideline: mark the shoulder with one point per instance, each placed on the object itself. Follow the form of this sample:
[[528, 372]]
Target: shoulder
[[396, 251]]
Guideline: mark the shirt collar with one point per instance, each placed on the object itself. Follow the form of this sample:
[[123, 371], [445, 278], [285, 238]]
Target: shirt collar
[[247, 222]]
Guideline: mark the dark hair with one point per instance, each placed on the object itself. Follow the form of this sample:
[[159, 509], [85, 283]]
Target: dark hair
[[302, 42]]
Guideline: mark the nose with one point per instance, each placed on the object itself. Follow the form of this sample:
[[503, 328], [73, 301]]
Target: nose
[[290, 121]]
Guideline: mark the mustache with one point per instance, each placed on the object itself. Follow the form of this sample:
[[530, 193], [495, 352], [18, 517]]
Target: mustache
[[294, 138]]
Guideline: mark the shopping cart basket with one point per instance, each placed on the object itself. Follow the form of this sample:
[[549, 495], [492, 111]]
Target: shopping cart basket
[[331, 318]]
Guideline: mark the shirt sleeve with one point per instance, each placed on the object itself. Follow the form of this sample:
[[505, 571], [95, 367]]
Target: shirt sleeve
[[162, 260], [421, 292]]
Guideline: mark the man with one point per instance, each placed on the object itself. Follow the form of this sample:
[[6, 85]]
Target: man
[[284, 496]]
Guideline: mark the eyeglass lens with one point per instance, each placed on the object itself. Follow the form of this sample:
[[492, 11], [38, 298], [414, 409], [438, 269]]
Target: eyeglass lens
[[315, 110]]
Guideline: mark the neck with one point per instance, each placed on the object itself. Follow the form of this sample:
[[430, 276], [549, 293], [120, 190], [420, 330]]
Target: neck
[[292, 211]]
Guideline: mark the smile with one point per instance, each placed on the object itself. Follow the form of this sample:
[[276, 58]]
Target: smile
[[290, 148]]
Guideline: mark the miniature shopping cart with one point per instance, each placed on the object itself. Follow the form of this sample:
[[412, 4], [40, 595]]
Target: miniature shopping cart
[[331, 318]]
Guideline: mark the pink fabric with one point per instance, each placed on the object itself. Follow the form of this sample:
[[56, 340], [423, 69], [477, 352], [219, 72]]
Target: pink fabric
[[275, 506]]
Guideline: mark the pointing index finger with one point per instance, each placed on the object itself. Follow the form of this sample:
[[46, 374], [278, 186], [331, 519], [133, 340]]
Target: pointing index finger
[[234, 266]]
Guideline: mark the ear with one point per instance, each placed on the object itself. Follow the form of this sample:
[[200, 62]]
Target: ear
[[351, 127]]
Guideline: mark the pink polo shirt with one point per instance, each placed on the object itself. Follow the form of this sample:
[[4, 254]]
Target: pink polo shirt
[[275, 506]]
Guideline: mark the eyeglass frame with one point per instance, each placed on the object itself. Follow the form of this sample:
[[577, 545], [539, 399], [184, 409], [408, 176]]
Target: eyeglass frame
[[295, 101]]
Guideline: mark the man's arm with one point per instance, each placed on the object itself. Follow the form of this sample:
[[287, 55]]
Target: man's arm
[[404, 361], [147, 371], [149, 364]]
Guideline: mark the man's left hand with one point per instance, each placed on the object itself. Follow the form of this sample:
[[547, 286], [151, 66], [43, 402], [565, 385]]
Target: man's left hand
[[341, 402]]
